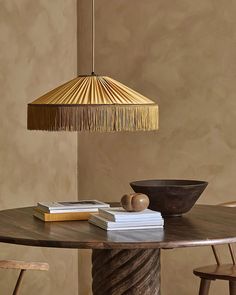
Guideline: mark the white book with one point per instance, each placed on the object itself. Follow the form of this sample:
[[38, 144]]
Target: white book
[[127, 228], [112, 225], [94, 210], [73, 206], [119, 214]]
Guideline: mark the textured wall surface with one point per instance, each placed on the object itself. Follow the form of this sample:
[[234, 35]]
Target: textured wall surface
[[179, 53], [37, 52], [182, 55]]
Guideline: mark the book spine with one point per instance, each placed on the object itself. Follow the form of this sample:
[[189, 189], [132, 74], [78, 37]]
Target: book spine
[[106, 215], [54, 209], [72, 211], [43, 208], [47, 217]]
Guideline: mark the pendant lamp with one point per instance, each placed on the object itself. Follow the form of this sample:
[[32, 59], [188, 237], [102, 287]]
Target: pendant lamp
[[92, 103]]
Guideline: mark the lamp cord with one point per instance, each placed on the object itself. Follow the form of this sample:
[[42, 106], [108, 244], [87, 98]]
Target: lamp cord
[[93, 37]]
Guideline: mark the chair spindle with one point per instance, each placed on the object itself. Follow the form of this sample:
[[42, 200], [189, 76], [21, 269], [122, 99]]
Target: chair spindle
[[231, 250], [216, 255]]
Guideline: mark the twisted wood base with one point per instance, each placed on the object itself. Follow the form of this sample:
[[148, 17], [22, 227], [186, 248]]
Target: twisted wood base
[[126, 272]]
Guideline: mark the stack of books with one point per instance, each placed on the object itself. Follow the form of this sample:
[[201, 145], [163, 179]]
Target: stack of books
[[67, 211], [119, 219]]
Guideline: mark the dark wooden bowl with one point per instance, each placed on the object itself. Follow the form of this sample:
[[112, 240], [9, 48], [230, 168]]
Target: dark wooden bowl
[[170, 197]]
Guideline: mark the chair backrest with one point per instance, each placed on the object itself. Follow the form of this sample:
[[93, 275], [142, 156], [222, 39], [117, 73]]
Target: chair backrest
[[231, 249], [232, 254]]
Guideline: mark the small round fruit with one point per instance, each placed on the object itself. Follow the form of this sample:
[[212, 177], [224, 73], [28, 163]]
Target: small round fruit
[[135, 202]]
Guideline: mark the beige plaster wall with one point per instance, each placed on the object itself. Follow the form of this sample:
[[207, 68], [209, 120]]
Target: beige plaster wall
[[37, 52], [181, 54]]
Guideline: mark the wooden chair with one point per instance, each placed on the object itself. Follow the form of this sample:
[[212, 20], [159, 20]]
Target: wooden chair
[[218, 271], [22, 266]]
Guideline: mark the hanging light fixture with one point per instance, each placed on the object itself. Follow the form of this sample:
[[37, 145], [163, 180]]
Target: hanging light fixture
[[92, 103]]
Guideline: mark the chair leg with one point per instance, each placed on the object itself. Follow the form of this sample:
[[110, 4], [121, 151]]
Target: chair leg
[[232, 288], [19, 280], [204, 287]]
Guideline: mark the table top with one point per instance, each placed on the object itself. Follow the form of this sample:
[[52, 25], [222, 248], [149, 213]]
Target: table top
[[203, 225]]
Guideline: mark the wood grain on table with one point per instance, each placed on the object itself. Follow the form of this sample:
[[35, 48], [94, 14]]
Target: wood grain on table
[[203, 225]]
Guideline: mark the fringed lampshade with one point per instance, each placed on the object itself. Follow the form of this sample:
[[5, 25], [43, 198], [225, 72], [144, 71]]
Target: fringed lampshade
[[93, 103]]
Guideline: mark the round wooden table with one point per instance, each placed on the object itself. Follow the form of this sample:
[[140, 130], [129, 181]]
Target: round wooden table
[[124, 262]]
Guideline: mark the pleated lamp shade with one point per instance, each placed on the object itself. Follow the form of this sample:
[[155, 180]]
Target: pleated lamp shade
[[93, 103]]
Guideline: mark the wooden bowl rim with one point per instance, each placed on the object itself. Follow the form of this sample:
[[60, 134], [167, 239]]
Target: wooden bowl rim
[[168, 183]]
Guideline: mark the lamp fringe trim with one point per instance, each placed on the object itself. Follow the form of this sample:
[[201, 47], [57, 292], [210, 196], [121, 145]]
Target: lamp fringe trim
[[101, 118]]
